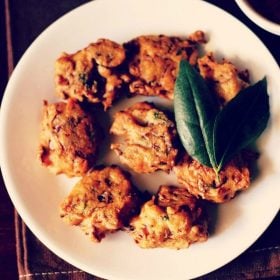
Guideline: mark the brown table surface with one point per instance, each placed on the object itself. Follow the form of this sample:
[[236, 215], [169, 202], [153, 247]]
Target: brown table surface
[[20, 23]]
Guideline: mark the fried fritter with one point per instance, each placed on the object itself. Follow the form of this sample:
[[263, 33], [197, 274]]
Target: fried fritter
[[172, 219], [224, 77], [68, 139], [149, 138], [202, 181], [90, 74], [102, 202], [155, 62]]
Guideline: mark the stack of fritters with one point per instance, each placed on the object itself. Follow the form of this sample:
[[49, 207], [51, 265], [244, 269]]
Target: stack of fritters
[[146, 141]]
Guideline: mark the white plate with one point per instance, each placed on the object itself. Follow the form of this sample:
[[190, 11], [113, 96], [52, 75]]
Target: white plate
[[36, 193]]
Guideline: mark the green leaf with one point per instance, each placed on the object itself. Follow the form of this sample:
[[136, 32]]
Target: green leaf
[[241, 122], [195, 112]]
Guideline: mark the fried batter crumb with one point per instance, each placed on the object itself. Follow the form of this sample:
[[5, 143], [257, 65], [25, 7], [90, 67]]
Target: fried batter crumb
[[172, 219], [149, 138], [69, 139], [102, 202], [202, 181]]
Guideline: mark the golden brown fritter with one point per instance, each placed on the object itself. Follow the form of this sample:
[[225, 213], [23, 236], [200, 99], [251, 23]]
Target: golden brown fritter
[[102, 202], [155, 62], [224, 77], [148, 136], [202, 181], [68, 139], [172, 219], [90, 74]]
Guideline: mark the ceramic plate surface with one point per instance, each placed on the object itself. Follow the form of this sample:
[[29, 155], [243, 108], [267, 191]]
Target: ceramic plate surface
[[37, 194]]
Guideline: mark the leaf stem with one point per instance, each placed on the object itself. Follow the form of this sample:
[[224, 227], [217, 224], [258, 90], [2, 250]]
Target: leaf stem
[[217, 170]]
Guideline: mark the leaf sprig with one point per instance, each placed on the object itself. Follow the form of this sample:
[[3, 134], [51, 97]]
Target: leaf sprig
[[210, 135]]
